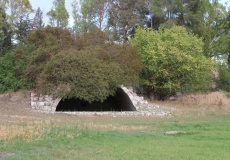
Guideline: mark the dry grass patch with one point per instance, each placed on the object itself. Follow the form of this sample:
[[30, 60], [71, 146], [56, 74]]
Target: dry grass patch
[[113, 127], [27, 132], [218, 102]]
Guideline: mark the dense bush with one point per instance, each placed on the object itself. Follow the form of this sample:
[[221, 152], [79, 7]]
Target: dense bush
[[87, 66], [223, 81], [80, 74], [173, 61], [12, 66]]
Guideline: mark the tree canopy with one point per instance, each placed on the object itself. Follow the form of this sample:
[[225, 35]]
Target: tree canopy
[[58, 15], [172, 59], [86, 67]]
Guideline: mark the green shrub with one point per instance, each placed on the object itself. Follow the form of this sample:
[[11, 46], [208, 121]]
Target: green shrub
[[88, 66], [173, 61], [12, 66], [223, 81], [80, 74]]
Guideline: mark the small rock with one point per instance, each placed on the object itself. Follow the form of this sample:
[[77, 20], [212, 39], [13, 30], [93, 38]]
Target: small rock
[[174, 132]]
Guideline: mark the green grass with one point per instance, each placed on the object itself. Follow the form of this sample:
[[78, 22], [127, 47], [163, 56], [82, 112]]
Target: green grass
[[203, 138]]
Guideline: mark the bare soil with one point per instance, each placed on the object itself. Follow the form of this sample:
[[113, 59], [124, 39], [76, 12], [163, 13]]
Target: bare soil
[[15, 108]]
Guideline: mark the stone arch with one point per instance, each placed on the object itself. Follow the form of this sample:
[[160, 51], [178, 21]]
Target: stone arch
[[119, 102]]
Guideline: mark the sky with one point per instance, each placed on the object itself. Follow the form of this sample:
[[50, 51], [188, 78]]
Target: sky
[[46, 5]]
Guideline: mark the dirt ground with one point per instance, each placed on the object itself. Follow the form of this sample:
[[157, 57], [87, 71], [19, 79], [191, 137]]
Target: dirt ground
[[15, 108]]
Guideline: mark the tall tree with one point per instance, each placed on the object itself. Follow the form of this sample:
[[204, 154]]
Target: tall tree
[[58, 15], [83, 14], [221, 46], [17, 9], [125, 15], [38, 19], [205, 18], [89, 13], [5, 33], [22, 28], [101, 8]]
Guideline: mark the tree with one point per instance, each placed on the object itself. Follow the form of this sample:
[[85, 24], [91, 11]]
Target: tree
[[125, 15], [2, 28], [207, 19], [101, 8], [38, 19], [22, 28], [17, 9], [5, 33], [173, 61], [220, 48], [90, 13], [87, 66], [223, 81], [84, 15], [12, 67], [58, 14], [81, 74]]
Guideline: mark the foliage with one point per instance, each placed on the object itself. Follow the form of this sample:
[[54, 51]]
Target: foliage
[[47, 42], [89, 13], [12, 65], [58, 14], [223, 81], [22, 28], [5, 33], [88, 66], [84, 15], [80, 74], [172, 60], [17, 9], [125, 15], [38, 19], [207, 19]]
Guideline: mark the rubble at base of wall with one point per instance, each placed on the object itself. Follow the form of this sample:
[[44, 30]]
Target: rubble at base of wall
[[121, 114]]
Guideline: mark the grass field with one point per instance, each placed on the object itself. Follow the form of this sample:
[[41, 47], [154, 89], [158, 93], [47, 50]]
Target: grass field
[[98, 138], [201, 122]]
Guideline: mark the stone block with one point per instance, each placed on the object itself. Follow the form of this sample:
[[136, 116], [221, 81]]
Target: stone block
[[37, 107], [48, 99], [47, 104], [41, 104], [45, 108], [33, 105], [33, 94], [34, 98], [49, 109]]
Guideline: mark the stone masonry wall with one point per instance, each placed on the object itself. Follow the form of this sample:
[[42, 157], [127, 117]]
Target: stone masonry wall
[[46, 103], [43, 102]]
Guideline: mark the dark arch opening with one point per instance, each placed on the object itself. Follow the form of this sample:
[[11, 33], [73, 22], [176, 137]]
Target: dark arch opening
[[119, 102]]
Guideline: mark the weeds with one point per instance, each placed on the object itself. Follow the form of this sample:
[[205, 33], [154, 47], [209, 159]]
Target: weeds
[[27, 132]]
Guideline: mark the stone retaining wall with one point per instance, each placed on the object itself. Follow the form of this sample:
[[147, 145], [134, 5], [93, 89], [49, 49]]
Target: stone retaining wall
[[43, 102], [46, 103]]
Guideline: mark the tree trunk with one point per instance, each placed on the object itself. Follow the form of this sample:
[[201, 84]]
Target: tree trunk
[[124, 35], [151, 95], [229, 58]]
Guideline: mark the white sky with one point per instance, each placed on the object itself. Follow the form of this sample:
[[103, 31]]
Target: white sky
[[46, 5]]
